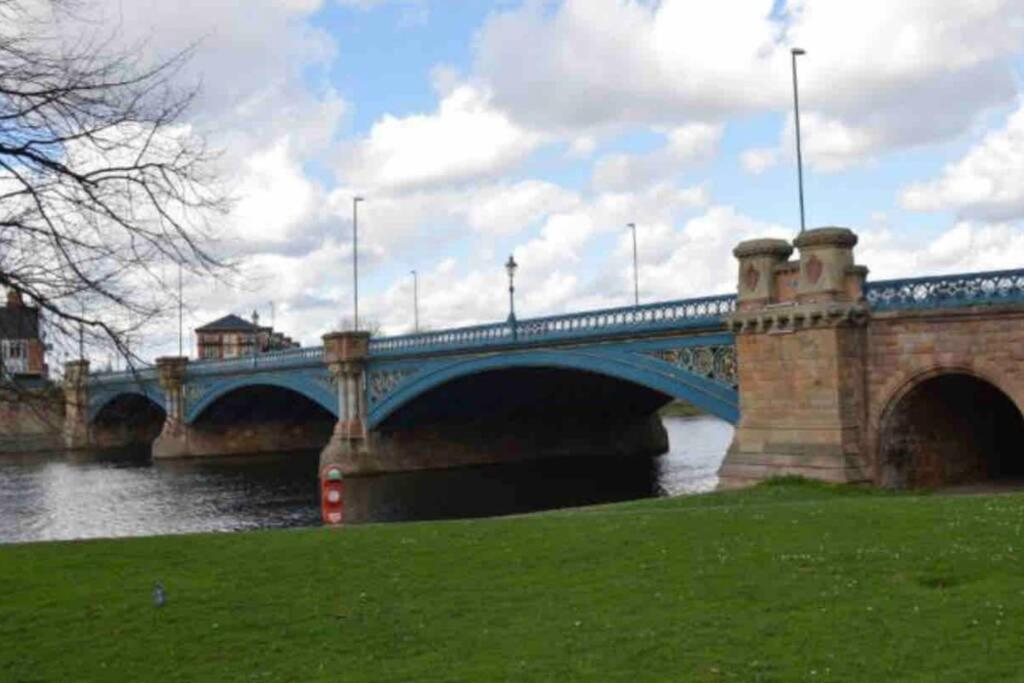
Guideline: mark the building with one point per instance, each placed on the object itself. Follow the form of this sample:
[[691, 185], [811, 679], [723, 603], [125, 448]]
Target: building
[[22, 352], [232, 337]]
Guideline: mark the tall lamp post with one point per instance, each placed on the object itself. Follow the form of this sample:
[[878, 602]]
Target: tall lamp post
[[636, 276], [796, 52], [415, 302], [255, 334], [181, 344], [510, 268], [355, 262]]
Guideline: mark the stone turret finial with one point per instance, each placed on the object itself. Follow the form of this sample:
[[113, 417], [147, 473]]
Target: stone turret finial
[[757, 261], [827, 270]]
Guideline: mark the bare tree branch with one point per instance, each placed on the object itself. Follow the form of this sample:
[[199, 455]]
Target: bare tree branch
[[103, 184]]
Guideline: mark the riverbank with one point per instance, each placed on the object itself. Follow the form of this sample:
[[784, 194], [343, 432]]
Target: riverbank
[[789, 581]]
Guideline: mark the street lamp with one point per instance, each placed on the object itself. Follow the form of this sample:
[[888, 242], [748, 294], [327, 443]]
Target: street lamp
[[796, 52], [355, 262], [255, 334], [415, 302], [510, 268], [180, 316], [636, 277]]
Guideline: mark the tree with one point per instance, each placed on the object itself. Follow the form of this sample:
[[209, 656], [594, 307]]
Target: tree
[[105, 190]]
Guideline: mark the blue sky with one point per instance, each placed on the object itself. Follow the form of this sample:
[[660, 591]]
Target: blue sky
[[476, 128]]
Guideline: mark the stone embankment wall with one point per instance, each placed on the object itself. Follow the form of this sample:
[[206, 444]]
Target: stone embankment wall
[[31, 420]]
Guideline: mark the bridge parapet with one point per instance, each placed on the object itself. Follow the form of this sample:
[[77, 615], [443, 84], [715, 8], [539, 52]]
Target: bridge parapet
[[709, 311], [947, 291]]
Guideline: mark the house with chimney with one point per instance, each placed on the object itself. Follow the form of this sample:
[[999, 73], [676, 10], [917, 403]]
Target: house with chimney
[[22, 352], [233, 337]]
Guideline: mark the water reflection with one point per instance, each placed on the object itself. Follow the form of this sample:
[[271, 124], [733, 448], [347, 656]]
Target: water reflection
[[61, 496]]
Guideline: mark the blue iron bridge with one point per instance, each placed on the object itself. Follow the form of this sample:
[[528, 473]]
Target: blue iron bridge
[[681, 349]]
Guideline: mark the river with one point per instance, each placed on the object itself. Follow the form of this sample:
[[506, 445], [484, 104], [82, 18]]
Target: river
[[71, 496]]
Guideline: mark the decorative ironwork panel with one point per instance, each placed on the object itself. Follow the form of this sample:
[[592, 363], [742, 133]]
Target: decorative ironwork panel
[[382, 383], [194, 392], [944, 291], [717, 363]]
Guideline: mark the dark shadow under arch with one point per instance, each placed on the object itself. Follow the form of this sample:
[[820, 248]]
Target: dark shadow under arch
[[948, 429], [633, 370], [126, 420]]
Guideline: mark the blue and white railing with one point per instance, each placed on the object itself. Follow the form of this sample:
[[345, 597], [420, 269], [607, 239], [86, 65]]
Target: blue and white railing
[[285, 358], [669, 315], [946, 291]]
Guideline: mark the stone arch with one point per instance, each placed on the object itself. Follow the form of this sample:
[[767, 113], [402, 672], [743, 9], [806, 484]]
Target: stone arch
[[306, 387], [947, 424], [102, 400], [714, 398], [131, 417]]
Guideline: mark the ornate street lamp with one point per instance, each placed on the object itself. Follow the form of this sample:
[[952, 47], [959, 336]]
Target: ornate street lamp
[[510, 268]]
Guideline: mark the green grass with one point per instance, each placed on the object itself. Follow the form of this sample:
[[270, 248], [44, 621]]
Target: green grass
[[790, 581]]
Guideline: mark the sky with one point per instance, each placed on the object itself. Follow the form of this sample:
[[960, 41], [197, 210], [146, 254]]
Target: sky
[[541, 128]]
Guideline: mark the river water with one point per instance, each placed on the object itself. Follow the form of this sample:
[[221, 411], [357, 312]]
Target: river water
[[62, 496]]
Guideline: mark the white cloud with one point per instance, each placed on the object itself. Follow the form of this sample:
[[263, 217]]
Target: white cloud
[[697, 259], [506, 209], [276, 201], [986, 184], [871, 67], [598, 62], [557, 267], [466, 139], [966, 247], [686, 146], [759, 160]]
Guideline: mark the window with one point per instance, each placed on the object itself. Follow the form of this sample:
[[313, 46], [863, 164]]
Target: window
[[15, 355]]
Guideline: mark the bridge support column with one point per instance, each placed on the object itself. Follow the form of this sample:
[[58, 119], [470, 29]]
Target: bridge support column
[[76, 404], [800, 346], [173, 441], [345, 354]]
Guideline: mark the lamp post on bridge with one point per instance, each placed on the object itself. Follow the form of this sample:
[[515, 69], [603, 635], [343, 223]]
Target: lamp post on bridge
[[796, 52], [415, 302], [510, 268], [355, 262], [255, 334], [636, 276]]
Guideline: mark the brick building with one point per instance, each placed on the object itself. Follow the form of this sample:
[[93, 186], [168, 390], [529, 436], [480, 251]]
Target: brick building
[[22, 352], [232, 337]]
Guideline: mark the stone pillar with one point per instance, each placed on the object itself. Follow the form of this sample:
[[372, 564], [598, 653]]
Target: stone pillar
[[76, 404], [800, 346], [173, 439], [345, 353], [759, 261]]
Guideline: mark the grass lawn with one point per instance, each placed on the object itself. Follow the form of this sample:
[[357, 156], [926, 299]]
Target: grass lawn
[[786, 582]]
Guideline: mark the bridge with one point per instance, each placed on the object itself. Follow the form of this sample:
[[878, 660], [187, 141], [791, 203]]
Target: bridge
[[825, 374]]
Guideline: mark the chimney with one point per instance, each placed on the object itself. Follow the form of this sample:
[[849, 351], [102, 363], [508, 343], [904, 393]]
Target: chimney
[[14, 299]]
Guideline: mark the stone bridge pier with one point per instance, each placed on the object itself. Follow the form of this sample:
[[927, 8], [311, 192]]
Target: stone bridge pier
[[800, 346], [346, 355], [76, 405]]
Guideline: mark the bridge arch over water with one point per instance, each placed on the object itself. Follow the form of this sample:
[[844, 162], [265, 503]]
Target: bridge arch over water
[[209, 395], [634, 368], [127, 416], [137, 394]]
